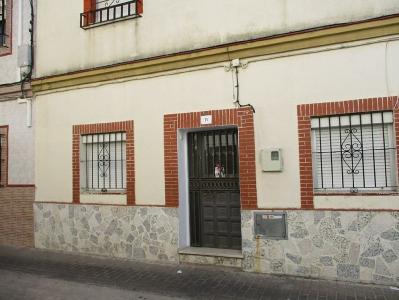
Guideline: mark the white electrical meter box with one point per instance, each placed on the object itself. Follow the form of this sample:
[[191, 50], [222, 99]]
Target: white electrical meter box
[[271, 160]]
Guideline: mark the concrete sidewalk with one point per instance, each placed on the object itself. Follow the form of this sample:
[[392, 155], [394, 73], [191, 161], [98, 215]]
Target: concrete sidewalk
[[39, 274]]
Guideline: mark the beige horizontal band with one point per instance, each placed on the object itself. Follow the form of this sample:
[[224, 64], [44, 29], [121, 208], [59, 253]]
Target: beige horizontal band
[[13, 91], [289, 42]]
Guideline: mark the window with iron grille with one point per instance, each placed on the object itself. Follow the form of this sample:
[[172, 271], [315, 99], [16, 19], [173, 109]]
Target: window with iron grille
[[104, 11], [103, 162], [354, 153], [3, 15]]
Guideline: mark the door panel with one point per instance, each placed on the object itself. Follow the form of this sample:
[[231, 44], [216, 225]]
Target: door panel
[[215, 215]]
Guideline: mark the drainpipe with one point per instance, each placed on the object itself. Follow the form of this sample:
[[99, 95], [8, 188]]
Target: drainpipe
[[28, 102], [28, 76]]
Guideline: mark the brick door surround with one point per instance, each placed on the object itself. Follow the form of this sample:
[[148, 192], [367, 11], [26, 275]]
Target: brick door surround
[[242, 118]]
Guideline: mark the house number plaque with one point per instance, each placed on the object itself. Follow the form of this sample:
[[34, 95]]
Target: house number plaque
[[206, 120]]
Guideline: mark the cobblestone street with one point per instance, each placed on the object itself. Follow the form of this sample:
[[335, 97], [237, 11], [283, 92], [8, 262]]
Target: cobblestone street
[[38, 274]]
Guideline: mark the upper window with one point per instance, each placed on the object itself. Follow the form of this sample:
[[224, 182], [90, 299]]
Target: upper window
[[5, 26], [354, 153], [98, 12], [2, 22], [103, 162]]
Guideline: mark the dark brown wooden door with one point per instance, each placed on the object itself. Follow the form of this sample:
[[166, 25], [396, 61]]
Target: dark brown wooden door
[[215, 214]]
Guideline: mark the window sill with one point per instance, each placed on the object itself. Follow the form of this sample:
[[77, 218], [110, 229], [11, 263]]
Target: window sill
[[5, 50], [102, 193], [387, 193], [110, 22]]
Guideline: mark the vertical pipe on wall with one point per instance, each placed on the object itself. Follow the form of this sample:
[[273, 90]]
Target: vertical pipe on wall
[[20, 14], [29, 112], [28, 102]]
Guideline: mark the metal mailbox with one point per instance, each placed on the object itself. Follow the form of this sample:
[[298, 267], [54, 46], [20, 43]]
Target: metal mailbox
[[271, 225]]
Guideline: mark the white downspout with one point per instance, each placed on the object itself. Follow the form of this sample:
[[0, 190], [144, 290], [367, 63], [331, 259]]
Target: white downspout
[[28, 102]]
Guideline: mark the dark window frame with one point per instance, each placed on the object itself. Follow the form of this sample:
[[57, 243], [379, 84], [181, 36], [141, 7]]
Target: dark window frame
[[3, 156], [2, 22], [6, 29]]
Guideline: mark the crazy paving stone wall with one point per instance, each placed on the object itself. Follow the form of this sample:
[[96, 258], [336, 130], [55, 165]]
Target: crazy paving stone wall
[[120, 231], [352, 246]]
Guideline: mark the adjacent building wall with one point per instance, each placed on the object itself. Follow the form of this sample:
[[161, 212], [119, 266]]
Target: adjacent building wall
[[16, 216], [20, 143], [17, 196], [19, 53]]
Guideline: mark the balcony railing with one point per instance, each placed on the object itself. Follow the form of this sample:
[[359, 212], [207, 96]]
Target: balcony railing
[[109, 14]]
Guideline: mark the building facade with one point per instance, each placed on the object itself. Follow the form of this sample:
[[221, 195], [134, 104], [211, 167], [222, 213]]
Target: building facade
[[261, 137], [16, 130]]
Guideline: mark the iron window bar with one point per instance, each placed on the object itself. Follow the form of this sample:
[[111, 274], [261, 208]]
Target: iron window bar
[[2, 23], [109, 13], [211, 149], [356, 156], [103, 162]]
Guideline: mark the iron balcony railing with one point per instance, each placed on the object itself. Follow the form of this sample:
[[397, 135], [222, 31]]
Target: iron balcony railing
[[111, 13]]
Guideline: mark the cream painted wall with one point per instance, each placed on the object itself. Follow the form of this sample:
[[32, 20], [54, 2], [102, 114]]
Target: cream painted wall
[[354, 202], [276, 86], [144, 101], [273, 86], [180, 25], [20, 143], [103, 199]]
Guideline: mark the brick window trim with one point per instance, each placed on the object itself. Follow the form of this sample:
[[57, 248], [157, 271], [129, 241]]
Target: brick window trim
[[7, 49], [240, 117], [123, 126], [304, 114], [4, 157]]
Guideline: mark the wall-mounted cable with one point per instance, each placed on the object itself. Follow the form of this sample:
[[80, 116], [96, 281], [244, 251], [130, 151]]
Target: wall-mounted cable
[[28, 76], [236, 93], [235, 64]]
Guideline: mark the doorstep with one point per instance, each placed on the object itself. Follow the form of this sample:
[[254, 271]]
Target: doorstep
[[211, 256]]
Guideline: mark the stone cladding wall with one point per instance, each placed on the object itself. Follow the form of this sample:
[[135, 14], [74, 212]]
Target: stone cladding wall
[[121, 231], [358, 246], [345, 245]]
